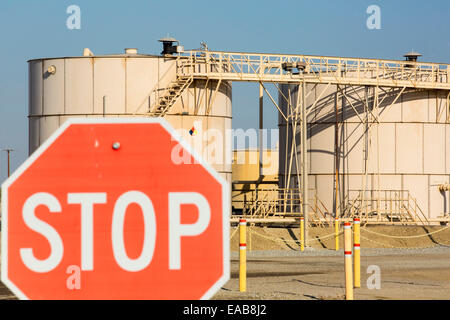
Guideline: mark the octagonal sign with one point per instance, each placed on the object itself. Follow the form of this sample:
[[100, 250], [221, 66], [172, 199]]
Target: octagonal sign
[[115, 209]]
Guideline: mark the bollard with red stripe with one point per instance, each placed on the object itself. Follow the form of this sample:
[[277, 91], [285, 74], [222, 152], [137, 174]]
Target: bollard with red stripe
[[357, 251], [242, 255], [348, 261]]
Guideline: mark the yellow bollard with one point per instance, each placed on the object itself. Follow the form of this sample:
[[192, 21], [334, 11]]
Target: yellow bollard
[[249, 237], [348, 261], [357, 251], [242, 255], [336, 233], [302, 233]]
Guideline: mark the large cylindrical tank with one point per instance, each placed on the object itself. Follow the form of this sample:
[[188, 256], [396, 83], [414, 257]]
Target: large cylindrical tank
[[128, 85], [404, 144]]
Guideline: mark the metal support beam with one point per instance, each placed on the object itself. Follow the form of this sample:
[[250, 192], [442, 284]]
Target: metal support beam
[[273, 101], [336, 155], [304, 150], [211, 102], [261, 126]]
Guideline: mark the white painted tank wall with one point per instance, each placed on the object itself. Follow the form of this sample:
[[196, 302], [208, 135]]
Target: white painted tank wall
[[414, 148], [128, 82]]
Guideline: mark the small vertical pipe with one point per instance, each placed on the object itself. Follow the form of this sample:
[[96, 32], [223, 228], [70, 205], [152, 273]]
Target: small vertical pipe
[[8, 154], [261, 126], [357, 251], [249, 237], [448, 97], [348, 261], [9, 171], [336, 233], [104, 106], [302, 233], [242, 255], [304, 151], [336, 190]]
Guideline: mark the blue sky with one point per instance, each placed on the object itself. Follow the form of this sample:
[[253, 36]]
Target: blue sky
[[35, 29]]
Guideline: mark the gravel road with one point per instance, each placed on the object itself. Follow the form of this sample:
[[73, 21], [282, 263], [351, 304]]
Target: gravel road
[[405, 274]]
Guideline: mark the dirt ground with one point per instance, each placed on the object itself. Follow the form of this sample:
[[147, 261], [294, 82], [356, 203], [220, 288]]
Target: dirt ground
[[264, 238], [403, 276], [413, 263]]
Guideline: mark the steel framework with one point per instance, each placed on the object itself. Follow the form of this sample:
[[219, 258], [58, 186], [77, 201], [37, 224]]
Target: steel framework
[[256, 67], [387, 78]]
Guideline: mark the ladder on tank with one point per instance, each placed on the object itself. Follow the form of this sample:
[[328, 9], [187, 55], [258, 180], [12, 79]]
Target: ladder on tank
[[169, 96]]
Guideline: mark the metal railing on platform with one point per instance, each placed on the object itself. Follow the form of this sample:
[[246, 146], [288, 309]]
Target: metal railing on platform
[[396, 207], [240, 66]]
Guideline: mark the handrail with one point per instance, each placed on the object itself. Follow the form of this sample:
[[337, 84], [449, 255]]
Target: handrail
[[287, 56], [398, 201], [235, 66], [260, 204]]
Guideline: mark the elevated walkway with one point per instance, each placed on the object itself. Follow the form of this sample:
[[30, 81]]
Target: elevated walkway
[[281, 68]]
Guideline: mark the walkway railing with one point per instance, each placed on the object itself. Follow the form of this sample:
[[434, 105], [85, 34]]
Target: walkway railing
[[236, 66], [389, 206]]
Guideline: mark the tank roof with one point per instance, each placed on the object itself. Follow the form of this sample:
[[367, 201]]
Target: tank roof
[[121, 55], [412, 54], [168, 39]]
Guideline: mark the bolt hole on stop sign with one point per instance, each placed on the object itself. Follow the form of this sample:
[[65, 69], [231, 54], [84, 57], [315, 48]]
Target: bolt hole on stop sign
[[100, 211]]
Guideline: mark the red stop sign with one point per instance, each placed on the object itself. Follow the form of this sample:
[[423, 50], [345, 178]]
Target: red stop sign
[[115, 209]]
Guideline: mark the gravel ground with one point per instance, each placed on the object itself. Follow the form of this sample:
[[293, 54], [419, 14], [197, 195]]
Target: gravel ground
[[405, 274], [263, 238], [414, 263], [368, 252]]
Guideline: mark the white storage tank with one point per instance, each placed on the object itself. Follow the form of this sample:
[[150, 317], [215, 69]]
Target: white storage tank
[[128, 85], [402, 145]]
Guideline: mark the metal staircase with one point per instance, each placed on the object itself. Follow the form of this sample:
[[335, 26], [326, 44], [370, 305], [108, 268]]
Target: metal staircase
[[169, 96]]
